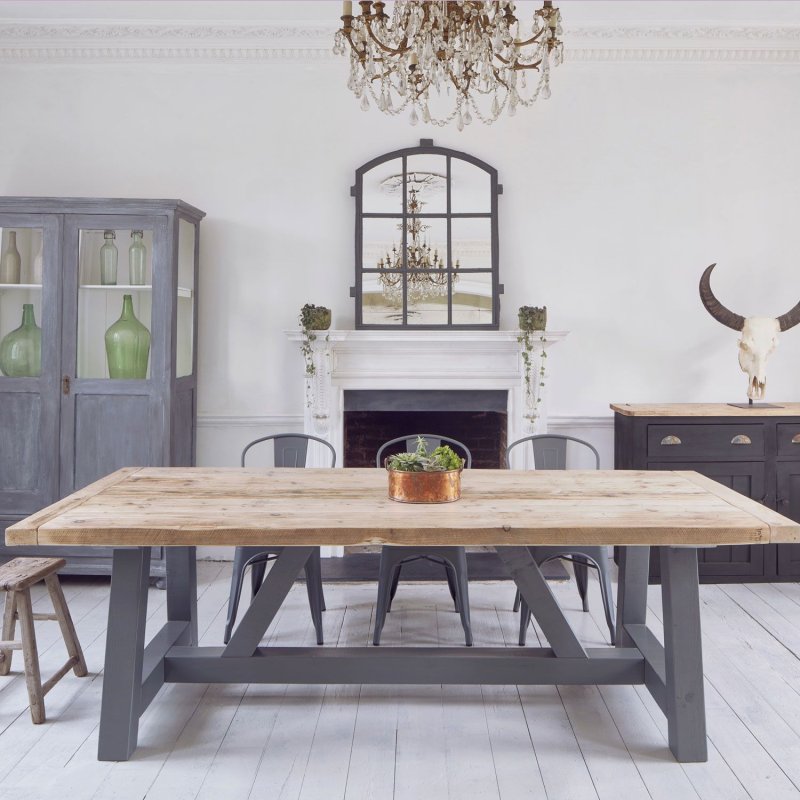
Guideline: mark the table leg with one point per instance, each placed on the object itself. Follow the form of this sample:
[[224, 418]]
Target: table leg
[[685, 702], [182, 590], [122, 679], [634, 566]]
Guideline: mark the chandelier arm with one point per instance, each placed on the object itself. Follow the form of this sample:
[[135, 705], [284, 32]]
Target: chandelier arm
[[400, 50]]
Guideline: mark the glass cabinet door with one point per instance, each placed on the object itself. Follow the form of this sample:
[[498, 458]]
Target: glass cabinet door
[[29, 319], [115, 302]]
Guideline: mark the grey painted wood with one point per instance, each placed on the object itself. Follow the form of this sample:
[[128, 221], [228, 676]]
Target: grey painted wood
[[68, 440]]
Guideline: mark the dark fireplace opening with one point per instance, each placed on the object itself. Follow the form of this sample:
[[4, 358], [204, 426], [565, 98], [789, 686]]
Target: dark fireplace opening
[[476, 418]]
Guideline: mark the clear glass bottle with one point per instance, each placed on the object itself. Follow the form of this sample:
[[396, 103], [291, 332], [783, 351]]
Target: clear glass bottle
[[10, 261], [109, 256], [137, 259]]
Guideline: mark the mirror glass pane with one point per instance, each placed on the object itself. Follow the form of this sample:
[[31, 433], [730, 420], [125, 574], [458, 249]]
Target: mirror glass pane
[[382, 188], [427, 307], [472, 299], [185, 313], [21, 269], [472, 242], [426, 175], [115, 289], [471, 188], [379, 306], [382, 241]]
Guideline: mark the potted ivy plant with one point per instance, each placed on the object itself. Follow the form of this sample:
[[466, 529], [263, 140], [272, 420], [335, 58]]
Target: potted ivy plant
[[312, 319], [532, 319], [422, 477]]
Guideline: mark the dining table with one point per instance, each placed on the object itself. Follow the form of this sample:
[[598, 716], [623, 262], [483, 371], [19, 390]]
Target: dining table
[[180, 508]]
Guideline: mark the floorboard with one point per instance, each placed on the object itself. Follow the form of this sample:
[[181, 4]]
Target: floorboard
[[371, 742]]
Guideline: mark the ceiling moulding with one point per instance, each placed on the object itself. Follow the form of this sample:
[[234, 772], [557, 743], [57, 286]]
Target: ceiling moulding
[[99, 40]]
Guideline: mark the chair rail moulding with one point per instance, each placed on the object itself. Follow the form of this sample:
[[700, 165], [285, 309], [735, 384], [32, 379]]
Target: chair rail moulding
[[420, 360]]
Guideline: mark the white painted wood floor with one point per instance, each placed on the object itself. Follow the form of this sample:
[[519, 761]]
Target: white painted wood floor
[[238, 741]]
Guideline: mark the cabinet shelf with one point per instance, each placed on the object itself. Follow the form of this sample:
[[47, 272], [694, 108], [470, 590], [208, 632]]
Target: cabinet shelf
[[125, 287], [27, 286]]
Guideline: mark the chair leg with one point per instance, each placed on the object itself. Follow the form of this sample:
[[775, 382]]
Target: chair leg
[[524, 621], [389, 563], [451, 583], [462, 590], [517, 598], [237, 579], [9, 625], [67, 627], [582, 580], [607, 592], [30, 655], [314, 588], [257, 572], [395, 582]]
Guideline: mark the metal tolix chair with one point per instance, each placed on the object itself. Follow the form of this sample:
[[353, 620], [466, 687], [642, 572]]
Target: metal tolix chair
[[291, 450], [550, 452], [453, 559]]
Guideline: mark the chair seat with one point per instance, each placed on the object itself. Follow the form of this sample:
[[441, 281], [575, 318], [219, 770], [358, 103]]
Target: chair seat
[[20, 573]]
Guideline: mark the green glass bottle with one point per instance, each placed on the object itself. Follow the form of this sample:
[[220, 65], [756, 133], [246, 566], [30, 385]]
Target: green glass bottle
[[21, 350], [127, 345]]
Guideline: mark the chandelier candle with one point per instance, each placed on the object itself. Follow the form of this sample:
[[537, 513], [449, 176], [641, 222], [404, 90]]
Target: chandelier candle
[[424, 49]]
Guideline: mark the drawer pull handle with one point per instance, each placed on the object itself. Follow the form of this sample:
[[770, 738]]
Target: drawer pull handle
[[796, 438], [671, 440], [741, 439]]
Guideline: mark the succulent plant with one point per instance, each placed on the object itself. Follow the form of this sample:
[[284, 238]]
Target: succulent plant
[[442, 459]]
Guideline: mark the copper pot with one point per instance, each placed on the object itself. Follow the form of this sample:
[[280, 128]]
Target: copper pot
[[425, 487]]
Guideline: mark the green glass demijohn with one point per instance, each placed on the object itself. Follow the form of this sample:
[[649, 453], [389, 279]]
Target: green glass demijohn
[[127, 345], [21, 350]]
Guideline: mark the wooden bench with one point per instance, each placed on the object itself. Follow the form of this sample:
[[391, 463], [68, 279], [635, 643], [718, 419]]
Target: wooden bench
[[16, 578]]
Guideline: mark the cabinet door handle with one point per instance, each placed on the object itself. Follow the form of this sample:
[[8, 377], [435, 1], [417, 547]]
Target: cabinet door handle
[[668, 440], [742, 438], [796, 438], [65, 384]]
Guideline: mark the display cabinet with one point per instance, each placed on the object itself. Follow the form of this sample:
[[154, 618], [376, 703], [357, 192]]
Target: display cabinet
[[98, 349]]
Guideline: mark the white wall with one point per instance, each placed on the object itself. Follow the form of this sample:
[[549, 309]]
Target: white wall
[[638, 173]]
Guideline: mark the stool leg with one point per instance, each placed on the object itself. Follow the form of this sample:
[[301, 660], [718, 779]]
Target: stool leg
[[65, 623], [9, 625], [30, 656]]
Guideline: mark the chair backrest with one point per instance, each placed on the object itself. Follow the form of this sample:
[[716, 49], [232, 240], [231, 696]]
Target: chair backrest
[[291, 449], [550, 450], [432, 441]]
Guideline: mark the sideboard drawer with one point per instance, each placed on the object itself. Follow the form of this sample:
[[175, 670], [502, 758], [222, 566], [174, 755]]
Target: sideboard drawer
[[789, 439], [707, 442]]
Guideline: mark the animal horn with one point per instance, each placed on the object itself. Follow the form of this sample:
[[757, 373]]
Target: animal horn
[[790, 318], [722, 314]]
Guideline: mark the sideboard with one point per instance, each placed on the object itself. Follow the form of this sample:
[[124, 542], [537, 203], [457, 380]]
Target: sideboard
[[756, 452]]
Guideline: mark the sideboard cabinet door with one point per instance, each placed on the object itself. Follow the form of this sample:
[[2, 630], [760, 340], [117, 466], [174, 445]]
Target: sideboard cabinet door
[[747, 478], [789, 506]]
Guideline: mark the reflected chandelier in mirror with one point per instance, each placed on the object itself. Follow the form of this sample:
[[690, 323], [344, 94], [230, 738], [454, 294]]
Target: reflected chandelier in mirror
[[426, 241]]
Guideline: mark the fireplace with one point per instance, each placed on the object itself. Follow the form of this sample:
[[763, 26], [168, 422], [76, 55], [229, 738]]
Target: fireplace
[[477, 418]]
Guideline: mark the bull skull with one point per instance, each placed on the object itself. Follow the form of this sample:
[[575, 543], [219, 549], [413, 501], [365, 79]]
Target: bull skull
[[759, 335]]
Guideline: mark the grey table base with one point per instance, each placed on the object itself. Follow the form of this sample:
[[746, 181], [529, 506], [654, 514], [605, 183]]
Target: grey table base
[[673, 673]]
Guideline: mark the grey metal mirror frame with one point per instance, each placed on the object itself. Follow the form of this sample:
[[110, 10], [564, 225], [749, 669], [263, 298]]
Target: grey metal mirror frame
[[426, 147]]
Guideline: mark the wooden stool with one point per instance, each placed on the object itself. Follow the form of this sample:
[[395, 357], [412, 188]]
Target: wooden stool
[[16, 579]]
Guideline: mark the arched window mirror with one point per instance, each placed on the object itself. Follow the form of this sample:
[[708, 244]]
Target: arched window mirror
[[426, 241]]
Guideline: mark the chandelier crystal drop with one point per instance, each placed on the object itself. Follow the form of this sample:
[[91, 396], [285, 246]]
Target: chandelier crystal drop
[[469, 56], [425, 269]]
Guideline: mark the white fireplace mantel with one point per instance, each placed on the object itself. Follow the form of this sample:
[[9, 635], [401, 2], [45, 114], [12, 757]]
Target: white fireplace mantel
[[427, 359]]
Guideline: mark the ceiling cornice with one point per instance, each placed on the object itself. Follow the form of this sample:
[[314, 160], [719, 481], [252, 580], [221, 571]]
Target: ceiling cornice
[[32, 41]]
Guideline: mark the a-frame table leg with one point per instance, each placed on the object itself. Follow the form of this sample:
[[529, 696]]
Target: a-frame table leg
[[122, 678]]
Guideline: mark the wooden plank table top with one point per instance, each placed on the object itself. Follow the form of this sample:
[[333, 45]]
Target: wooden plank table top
[[183, 506], [703, 410]]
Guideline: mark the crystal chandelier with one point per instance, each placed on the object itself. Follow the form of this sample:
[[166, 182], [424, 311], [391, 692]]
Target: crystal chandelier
[[474, 56], [425, 269]]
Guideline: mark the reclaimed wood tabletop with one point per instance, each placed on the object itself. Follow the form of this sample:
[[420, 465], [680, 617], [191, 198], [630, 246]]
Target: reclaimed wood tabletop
[[182, 506]]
